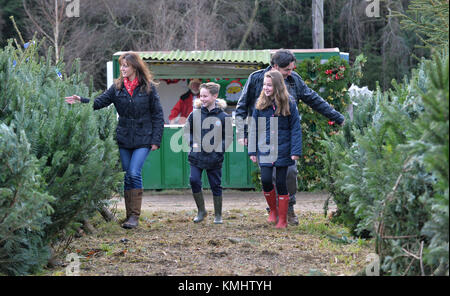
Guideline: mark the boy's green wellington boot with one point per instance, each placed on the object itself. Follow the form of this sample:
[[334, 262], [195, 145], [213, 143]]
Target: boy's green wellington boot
[[200, 202], [217, 209]]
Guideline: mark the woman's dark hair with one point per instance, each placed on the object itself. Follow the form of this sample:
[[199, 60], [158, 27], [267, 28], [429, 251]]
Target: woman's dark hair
[[282, 58], [143, 73]]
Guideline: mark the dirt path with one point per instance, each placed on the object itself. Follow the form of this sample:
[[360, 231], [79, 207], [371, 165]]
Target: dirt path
[[232, 199], [167, 242]]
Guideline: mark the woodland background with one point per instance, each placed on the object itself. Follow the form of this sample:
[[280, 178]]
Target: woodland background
[[107, 26]]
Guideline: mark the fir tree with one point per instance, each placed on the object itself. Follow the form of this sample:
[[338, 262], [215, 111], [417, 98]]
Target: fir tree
[[432, 146], [389, 172], [76, 154], [429, 20], [24, 206]]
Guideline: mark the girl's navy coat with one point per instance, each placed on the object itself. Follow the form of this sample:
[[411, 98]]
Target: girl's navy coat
[[141, 119], [289, 136], [208, 159]]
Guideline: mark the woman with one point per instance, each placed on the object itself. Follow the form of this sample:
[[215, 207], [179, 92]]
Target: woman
[[276, 144], [140, 127]]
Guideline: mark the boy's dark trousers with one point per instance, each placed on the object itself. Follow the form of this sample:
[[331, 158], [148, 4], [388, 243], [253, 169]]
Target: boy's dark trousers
[[215, 181]]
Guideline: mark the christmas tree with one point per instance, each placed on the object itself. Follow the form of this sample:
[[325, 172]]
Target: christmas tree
[[76, 155], [388, 171], [24, 206]]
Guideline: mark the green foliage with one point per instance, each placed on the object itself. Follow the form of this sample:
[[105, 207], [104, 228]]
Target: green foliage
[[336, 154], [76, 154], [256, 178], [388, 171], [432, 146], [429, 20], [24, 206], [331, 81]]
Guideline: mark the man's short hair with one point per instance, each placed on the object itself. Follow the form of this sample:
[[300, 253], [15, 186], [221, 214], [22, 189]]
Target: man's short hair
[[282, 58]]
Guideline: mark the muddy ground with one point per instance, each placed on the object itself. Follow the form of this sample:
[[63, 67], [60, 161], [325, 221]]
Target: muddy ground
[[232, 199], [167, 242]]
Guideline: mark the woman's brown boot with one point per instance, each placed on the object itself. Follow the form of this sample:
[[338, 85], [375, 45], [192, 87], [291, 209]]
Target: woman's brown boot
[[127, 198], [135, 208]]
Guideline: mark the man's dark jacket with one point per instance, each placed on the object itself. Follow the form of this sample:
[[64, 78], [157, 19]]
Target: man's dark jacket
[[297, 89], [141, 119]]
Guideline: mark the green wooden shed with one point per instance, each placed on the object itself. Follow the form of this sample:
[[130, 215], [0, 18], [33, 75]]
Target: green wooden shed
[[168, 167]]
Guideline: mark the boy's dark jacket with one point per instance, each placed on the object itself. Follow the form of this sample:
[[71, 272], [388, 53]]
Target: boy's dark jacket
[[289, 136], [212, 159], [141, 119]]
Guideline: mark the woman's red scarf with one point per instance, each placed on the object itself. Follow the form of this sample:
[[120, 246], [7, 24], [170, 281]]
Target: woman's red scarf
[[130, 85]]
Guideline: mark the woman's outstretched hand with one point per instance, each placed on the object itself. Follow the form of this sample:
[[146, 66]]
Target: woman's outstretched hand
[[73, 99]]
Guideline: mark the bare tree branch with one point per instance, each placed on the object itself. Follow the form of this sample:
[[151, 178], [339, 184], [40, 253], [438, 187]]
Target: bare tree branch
[[250, 24], [27, 11]]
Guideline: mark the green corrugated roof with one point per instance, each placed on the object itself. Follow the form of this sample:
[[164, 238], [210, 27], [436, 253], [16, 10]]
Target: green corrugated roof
[[225, 56]]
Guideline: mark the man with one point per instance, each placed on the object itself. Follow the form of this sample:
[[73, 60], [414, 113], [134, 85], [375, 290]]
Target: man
[[284, 61], [184, 105]]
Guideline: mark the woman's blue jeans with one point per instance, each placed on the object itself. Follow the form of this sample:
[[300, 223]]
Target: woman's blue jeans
[[132, 163]]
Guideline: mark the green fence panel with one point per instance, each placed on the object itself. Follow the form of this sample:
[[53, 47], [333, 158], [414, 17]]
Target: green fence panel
[[168, 167]]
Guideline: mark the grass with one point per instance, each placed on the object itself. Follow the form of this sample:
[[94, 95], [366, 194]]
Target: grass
[[169, 243]]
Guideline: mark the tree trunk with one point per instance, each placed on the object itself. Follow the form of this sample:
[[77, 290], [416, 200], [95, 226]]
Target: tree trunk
[[88, 228], [107, 215], [317, 20], [56, 32]]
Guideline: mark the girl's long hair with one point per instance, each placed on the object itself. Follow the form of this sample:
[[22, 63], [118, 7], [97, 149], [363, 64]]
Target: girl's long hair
[[143, 73], [280, 95]]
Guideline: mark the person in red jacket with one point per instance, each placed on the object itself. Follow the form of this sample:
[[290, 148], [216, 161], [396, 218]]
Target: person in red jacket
[[184, 105]]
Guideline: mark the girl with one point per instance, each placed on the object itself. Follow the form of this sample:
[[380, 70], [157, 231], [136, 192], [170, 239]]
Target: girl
[[206, 132], [276, 144], [140, 127]]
